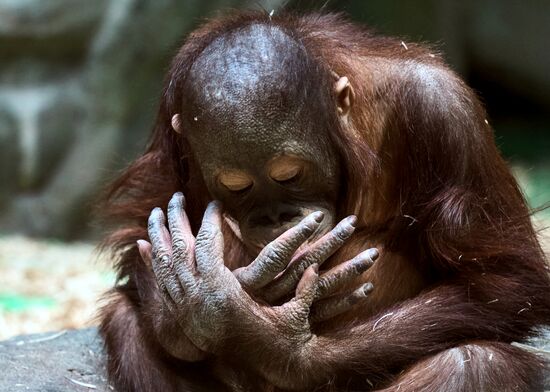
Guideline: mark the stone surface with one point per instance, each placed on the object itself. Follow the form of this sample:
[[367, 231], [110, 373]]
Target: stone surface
[[73, 361], [53, 362]]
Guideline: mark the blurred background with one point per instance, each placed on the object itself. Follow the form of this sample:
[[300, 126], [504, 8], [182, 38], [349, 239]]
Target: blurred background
[[79, 87]]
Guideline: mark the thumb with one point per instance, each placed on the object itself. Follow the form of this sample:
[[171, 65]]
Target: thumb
[[144, 249], [307, 287]]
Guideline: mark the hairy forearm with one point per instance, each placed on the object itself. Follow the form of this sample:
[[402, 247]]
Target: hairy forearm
[[393, 339], [281, 362], [166, 330], [262, 344], [427, 324], [174, 341]]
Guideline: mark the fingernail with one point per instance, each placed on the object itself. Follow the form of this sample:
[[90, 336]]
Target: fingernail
[[156, 214], [363, 261], [140, 243], [368, 287], [315, 267], [373, 253], [177, 200], [318, 216], [351, 220]]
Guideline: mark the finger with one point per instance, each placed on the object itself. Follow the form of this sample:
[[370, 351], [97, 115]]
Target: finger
[[182, 239], [297, 310], [345, 273], [167, 280], [318, 252], [274, 258], [307, 286], [209, 242], [323, 248], [158, 234], [161, 256], [145, 251], [178, 222], [338, 304], [169, 283], [161, 249]]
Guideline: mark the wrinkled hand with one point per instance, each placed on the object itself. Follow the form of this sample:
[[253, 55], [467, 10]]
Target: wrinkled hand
[[165, 326], [208, 300], [201, 293], [274, 274]]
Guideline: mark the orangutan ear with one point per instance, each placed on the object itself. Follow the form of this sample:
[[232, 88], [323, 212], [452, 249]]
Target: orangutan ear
[[345, 96], [176, 123]]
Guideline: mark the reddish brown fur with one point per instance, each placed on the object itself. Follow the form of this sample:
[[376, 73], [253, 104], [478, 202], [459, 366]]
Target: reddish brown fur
[[461, 272]]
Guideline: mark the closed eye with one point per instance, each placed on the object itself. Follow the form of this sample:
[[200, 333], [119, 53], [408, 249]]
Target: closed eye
[[235, 181], [241, 191], [286, 170], [290, 178]]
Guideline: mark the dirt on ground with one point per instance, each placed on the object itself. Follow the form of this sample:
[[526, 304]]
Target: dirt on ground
[[48, 285]]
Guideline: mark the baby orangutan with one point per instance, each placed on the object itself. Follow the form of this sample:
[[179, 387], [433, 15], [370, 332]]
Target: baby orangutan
[[309, 147]]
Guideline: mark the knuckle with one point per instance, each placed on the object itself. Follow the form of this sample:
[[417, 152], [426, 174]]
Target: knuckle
[[164, 258], [274, 256], [179, 256], [205, 238], [202, 247], [341, 235], [270, 251], [180, 245], [304, 231], [296, 314], [209, 229], [324, 285]]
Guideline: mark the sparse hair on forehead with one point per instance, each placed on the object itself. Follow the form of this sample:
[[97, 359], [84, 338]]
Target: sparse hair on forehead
[[261, 65]]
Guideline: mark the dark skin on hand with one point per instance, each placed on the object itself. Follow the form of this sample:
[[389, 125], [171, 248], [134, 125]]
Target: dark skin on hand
[[338, 218], [207, 299]]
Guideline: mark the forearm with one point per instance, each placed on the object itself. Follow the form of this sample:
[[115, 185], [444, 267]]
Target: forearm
[[165, 328], [390, 341], [427, 324], [173, 340], [275, 348]]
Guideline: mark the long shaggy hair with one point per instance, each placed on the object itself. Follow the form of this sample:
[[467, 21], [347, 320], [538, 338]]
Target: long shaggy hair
[[421, 172]]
